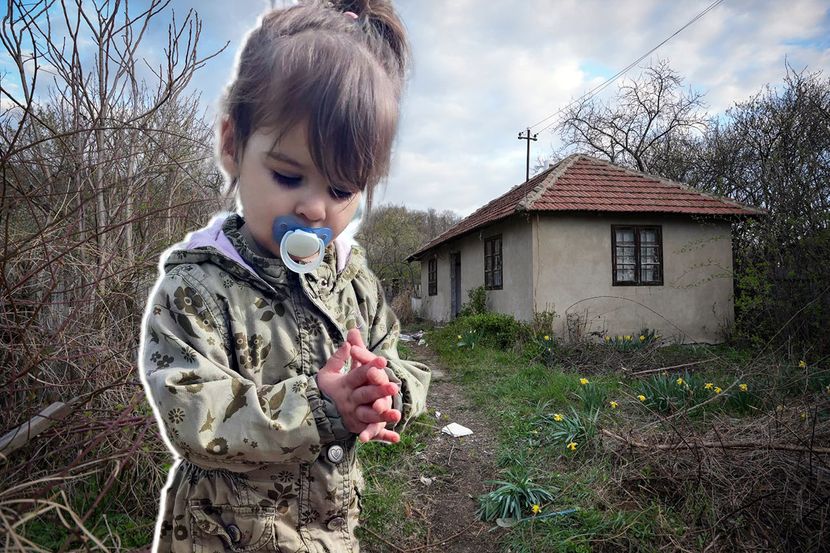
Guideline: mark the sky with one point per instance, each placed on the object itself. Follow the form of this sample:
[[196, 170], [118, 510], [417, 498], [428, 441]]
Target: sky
[[483, 71]]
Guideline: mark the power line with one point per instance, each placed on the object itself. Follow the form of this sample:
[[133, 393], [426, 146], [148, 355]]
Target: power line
[[594, 91]]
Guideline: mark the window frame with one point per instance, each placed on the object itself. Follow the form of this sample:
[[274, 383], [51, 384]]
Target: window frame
[[432, 276], [637, 249], [490, 284]]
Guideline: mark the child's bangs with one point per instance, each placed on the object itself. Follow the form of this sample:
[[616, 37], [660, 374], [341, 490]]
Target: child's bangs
[[348, 102]]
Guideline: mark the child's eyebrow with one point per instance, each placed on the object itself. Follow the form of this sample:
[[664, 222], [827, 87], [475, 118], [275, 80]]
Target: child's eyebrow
[[285, 159]]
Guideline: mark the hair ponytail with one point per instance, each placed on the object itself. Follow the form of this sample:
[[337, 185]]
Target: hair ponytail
[[385, 32]]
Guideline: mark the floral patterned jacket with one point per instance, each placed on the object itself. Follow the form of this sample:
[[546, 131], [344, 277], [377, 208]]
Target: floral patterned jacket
[[230, 343]]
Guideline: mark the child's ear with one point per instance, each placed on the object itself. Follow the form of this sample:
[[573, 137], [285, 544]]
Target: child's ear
[[227, 148]]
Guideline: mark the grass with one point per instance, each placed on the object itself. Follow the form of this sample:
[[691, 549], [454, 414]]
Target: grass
[[387, 500], [105, 522], [620, 506]]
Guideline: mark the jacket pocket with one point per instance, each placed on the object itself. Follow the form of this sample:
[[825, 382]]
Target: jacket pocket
[[238, 528]]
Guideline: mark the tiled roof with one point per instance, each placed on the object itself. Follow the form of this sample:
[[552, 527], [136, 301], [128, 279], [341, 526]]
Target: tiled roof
[[584, 183]]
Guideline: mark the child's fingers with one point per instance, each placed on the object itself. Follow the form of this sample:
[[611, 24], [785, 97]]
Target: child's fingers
[[368, 394], [370, 432], [382, 405], [355, 338], [364, 356], [360, 375], [385, 435], [391, 415], [367, 415], [338, 358]]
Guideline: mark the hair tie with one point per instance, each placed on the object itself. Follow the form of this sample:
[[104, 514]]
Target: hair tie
[[350, 14]]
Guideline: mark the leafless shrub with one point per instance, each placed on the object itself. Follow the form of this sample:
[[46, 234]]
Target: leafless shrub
[[106, 161]]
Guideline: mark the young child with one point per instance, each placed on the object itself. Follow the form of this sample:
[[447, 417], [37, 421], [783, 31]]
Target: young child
[[267, 348]]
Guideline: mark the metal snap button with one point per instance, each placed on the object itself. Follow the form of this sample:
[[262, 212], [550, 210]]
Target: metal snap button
[[234, 532], [335, 454], [336, 523]]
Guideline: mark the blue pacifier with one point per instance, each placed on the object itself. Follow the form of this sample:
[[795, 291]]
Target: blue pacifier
[[295, 240]]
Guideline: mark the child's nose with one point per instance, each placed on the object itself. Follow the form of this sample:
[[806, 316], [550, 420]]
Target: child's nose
[[312, 207]]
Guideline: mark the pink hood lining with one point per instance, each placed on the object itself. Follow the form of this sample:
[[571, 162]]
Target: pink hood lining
[[212, 235]]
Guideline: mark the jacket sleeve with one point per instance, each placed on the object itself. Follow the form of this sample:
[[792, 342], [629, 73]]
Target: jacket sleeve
[[412, 376], [212, 415]]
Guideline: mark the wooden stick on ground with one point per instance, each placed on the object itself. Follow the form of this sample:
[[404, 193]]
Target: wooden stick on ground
[[692, 444], [20, 436], [674, 367]]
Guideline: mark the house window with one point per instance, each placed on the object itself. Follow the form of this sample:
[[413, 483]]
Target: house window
[[492, 263], [637, 255], [433, 276]]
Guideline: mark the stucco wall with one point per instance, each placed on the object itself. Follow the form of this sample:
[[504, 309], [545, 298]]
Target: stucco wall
[[574, 269], [517, 266]]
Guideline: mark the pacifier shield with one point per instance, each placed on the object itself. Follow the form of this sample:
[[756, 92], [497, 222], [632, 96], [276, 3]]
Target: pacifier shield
[[298, 241]]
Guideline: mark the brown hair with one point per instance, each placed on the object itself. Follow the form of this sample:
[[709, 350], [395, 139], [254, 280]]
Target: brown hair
[[343, 76]]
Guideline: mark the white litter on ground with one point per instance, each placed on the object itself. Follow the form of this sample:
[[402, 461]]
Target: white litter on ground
[[456, 430], [427, 481]]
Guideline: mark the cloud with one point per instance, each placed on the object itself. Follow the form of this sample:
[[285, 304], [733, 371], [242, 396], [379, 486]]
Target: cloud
[[483, 71]]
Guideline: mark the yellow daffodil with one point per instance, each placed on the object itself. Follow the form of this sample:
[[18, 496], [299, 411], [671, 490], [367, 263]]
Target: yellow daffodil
[[547, 338], [718, 390], [802, 364], [607, 338], [642, 338], [679, 381], [619, 338], [536, 509], [743, 387], [558, 417], [708, 385], [459, 336], [583, 381], [628, 338], [572, 446], [641, 397], [614, 404]]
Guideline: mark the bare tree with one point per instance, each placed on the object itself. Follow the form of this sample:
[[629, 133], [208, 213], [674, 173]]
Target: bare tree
[[106, 160], [649, 120], [773, 151]]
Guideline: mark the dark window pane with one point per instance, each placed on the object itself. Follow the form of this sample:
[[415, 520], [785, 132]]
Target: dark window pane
[[625, 236], [625, 274]]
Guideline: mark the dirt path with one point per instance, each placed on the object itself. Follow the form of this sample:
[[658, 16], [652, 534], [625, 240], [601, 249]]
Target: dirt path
[[460, 468]]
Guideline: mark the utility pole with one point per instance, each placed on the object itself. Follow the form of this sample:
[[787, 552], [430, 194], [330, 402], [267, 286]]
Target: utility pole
[[528, 138]]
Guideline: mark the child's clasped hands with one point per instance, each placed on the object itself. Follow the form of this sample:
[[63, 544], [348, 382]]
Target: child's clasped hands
[[363, 396]]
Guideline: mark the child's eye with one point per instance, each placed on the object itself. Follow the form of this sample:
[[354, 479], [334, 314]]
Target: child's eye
[[286, 180], [338, 194]]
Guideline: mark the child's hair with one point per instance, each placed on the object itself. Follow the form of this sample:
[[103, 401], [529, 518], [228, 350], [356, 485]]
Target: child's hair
[[344, 76]]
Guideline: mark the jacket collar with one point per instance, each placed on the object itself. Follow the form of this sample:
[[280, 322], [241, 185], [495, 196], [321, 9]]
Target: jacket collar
[[222, 241]]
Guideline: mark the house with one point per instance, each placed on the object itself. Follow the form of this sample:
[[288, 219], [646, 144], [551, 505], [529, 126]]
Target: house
[[610, 250]]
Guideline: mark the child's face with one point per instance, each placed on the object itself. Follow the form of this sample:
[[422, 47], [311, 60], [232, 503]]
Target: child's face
[[280, 179]]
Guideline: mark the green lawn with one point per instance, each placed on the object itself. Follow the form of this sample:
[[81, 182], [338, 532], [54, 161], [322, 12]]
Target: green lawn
[[551, 410]]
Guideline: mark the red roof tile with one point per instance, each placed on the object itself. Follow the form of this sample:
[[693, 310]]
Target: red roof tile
[[584, 183]]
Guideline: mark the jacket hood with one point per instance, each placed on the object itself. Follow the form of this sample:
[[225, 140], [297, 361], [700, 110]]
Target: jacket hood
[[210, 241]]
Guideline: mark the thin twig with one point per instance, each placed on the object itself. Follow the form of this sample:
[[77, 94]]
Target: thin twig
[[759, 446]]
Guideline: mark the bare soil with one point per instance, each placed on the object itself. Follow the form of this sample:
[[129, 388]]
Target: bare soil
[[459, 469]]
